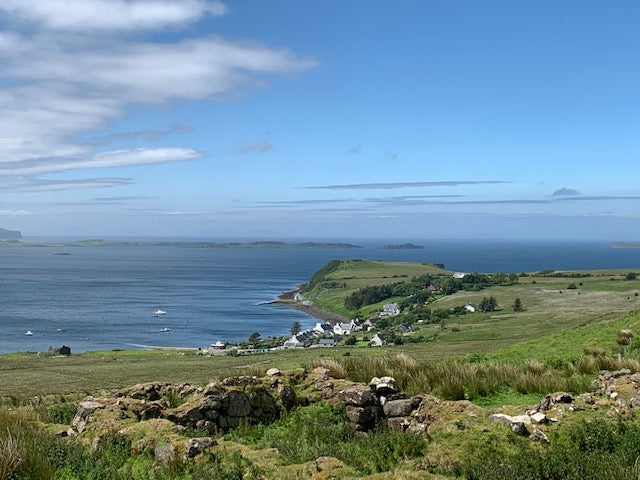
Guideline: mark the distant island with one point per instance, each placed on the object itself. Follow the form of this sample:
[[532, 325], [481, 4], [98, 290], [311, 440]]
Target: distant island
[[625, 245], [9, 234], [186, 244], [402, 246]]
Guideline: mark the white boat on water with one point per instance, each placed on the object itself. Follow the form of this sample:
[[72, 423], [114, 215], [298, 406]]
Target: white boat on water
[[165, 329], [159, 313], [28, 333]]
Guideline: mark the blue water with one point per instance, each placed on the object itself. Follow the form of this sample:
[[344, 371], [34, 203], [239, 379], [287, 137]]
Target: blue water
[[104, 297]]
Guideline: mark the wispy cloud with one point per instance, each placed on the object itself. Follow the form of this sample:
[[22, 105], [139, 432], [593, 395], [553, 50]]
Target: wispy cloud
[[291, 203], [68, 71], [259, 146], [53, 185], [355, 150], [394, 185], [148, 135]]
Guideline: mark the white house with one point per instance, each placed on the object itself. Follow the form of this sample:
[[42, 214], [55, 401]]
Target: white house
[[459, 275], [298, 297], [390, 310], [323, 328], [377, 341], [342, 328], [470, 308]]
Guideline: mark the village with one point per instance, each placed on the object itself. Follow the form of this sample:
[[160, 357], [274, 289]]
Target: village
[[326, 334]]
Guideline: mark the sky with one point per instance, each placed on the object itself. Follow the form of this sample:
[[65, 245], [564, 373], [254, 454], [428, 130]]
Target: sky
[[336, 119]]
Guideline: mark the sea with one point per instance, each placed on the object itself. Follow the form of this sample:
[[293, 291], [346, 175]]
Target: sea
[[104, 298]]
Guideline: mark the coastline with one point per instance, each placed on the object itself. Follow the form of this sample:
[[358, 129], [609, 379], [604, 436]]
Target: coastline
[[286, 300]]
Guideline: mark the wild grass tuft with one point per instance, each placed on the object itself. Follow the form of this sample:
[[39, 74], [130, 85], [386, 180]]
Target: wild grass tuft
[[336, 369]]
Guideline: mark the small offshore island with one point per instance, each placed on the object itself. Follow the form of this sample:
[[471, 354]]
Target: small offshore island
[[401, 246]]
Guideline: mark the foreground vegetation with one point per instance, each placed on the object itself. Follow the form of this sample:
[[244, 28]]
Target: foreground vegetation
[[502, 360]]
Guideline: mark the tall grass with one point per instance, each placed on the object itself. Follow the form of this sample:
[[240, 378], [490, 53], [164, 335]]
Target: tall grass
[[457, 380], [319, 430], [597, 450]]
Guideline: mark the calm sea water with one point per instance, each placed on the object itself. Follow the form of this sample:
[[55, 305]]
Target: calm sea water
[[104, 297]]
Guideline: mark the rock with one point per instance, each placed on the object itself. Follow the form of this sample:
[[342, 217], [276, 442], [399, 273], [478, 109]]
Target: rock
[[151, 410], [417, 429], [164, 453], [194, 414], [501, 418], [618, 373], [239, 404], [401, 408], [539, 436], [564, 398], [357, 396], [195, 446], [263, 405], [398, 424], [287, 396], [273, 372], [519, 428], [366, 416], [383, 386], [213, 389], [85, 409], [539, 417], [545, 404]]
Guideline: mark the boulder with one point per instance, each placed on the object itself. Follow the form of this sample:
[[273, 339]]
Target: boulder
[[195, 446], [539, 436], [273, 372], [287, 396], [85, 409], [357, 396], [383, 386], [239, 404], [366, 416], [401, 408], [164, 453]]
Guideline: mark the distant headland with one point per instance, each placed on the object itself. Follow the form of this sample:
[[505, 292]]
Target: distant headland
[[9, 234], [15, 242]]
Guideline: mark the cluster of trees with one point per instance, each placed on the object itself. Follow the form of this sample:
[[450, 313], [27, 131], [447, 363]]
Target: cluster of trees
[[378, 293], [488, 304]]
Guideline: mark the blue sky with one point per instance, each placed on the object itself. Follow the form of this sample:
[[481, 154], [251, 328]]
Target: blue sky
[[332, 119]]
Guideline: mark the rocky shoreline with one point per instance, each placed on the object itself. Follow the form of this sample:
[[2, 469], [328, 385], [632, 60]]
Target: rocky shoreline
[[287, 300]]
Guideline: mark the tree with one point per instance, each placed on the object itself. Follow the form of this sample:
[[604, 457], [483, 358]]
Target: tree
[[488, 304], [295, 328], [254, 338], [350, 340], [517, 305]]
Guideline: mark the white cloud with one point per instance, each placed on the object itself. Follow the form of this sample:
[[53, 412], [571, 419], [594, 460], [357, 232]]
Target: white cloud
[[60, 81], [110, 14]]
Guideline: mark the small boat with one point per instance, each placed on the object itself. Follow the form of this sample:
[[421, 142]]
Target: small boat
[[165, 329], [159, 313], [28, 333]]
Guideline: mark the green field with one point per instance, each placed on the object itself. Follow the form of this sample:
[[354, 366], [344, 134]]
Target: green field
[[501, 360]]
